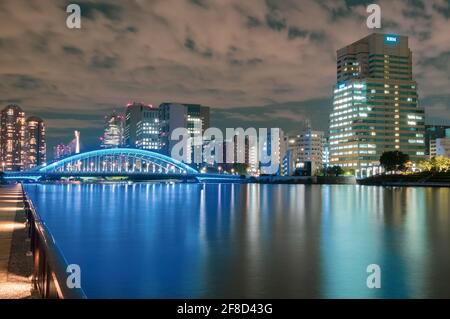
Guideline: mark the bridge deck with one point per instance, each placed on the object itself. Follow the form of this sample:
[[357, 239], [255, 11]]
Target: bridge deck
[[35, 175]]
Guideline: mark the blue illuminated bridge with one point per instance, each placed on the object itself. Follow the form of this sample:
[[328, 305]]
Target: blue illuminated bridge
[[132, 163]]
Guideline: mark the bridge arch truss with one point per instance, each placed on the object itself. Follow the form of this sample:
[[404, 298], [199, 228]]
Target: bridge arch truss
[[118, 160]]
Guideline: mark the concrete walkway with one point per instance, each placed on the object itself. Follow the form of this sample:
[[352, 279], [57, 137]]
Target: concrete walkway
[[15, 262]]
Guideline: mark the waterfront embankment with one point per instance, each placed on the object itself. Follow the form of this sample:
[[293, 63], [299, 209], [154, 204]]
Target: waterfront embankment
[[423, 179], [16, 262], [321, 180]]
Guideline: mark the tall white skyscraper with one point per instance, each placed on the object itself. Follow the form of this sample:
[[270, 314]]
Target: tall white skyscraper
[[375, 107]]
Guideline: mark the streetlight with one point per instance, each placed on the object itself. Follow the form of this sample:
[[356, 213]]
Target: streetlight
[[3, 165], [220, 169]]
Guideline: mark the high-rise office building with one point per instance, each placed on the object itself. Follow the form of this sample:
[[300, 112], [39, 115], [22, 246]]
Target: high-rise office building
[[197, 117], [133, 115], [197, 113], [147, 134], [12, 138], [310, 148], [375, 107], [35, 143], [171, 117], [113, 133], [291, 153], [193, 117]]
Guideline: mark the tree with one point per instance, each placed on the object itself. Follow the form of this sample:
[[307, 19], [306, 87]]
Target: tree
[[436, 164], [394, 161], [335, 170], [425, 165], [441, 163], [349, 172]]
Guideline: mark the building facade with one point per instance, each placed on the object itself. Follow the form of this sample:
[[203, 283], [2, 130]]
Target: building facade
[[441, 146], [35, 143], [433, 132], [22, 141], [197, 123], [61, 150], [12, 138], [290, 147], [64, 150], [113, 135], [375, 106], [171, 117], [310, 148], [193, 117], [326, 153], [133, 115], [147, 133]]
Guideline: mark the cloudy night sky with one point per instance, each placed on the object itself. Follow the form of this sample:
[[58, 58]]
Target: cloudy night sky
[[256, 63]]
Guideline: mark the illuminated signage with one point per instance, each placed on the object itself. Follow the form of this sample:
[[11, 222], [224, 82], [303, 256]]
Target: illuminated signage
[[391, 39]]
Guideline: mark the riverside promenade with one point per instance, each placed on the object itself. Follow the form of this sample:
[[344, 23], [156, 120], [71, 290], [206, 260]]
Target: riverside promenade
[[15, 260]]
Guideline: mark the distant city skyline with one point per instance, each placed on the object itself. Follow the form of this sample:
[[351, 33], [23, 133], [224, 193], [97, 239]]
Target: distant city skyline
[[262, 64]]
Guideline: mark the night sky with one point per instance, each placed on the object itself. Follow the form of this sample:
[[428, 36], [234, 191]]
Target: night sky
[[256, 63]]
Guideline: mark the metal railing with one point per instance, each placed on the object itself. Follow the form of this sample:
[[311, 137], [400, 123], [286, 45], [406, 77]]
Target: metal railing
[[49, 270]]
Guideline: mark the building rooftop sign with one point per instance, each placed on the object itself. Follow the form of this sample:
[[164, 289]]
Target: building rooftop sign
[[391, 39]]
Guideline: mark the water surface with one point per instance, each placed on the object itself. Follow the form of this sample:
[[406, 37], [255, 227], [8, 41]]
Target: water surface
[[250, 240]]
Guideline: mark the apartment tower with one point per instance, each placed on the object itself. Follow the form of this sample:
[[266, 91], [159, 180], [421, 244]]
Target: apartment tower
[[12, 138], [35, 144]]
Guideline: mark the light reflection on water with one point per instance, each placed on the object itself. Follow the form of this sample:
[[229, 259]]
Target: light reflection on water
[[231, 240]]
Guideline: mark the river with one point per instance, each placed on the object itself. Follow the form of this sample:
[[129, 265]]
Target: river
[[150, 240]]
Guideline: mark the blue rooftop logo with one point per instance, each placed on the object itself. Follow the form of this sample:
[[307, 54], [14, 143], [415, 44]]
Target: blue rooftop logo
[[391, 39]]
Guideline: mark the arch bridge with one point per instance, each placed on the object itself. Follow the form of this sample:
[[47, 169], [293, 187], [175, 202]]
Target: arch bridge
[[126, 162]]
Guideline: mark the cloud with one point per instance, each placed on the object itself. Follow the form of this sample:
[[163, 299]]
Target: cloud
[[101, 61], [236, 56], [72, 124], [72, 50], [291, 116], [92, 9]]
